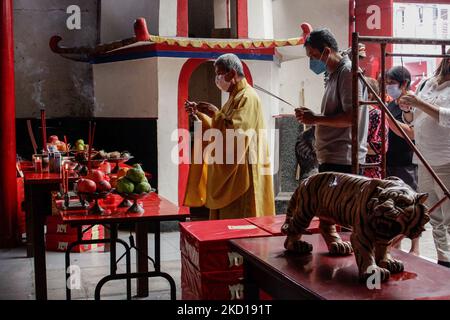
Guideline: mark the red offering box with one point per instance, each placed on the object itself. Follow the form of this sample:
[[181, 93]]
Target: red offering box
[[60, 235], [272, 224], [205, 243], [220, 285]]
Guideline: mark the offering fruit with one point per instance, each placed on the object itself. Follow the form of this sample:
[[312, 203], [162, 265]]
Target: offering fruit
[[79, 145], [143, 187], [96, 175], [103, 186], [136, 174], [86, 186], [122, 172], [125, 186]]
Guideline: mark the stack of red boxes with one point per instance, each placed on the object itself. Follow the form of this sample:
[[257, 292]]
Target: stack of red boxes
[[59, 235], [209, 269]]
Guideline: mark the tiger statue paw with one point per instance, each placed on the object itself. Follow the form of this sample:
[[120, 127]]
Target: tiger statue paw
[[383, 273], [343, 248], [394, 266], [297, 246]]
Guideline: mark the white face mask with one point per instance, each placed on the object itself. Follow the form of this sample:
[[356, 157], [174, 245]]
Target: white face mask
[[221, 83], [394, 91]]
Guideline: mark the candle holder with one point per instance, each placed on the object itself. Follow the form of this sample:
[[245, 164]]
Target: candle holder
[[96, 209], [134, 207]]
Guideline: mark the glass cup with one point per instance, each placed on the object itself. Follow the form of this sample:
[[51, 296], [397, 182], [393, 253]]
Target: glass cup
[[37, 163]]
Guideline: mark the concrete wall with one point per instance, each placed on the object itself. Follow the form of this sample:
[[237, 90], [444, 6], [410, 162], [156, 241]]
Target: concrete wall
[[168, 18], [168, 73], [126, 89], [117, 17], [260, 19], [44, 79], [287, 17]]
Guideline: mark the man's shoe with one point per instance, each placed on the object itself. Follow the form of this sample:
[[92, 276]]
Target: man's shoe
[[444, 263]]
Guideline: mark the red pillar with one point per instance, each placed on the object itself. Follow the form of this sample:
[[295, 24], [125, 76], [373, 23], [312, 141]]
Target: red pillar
[[8, 182]]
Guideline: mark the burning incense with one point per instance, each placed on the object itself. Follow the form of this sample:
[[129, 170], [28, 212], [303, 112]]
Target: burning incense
[[44, 131]]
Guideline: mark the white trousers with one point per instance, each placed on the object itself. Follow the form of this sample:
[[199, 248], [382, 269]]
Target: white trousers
[[440, 218]]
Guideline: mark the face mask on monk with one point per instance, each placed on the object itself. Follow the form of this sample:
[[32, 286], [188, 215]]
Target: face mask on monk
[[222, 83]]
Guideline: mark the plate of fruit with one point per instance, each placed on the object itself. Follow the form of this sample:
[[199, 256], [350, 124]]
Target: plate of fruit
[[97, 158], [118, 158], [133, 186], [93, 187]]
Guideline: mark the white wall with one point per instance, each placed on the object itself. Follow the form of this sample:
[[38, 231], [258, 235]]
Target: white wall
[[287, 18], [168, 75], [260, 19], [168, 18], [117, 17], [126, 89]]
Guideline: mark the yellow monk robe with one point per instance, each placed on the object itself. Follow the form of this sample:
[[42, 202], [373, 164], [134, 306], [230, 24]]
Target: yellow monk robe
[[241, 189]]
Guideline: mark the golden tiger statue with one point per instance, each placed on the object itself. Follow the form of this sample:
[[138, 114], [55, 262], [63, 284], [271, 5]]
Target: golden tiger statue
[[377, 211]]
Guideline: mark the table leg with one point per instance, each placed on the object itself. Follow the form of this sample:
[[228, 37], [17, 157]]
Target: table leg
[[112, 253], [251, 289], [157, 226], [29, 220], [38, 241], [141, 258]]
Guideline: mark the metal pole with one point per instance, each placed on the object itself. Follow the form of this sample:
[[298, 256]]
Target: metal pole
[[394, 54], [355, 98], [383, 114], [421, 41]]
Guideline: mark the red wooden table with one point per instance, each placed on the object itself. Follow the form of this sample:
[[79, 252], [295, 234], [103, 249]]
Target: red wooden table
[[157, 209], [321, 276], [38, 204]]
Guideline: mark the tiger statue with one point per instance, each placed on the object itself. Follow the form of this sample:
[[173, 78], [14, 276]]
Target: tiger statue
[[378, 211]]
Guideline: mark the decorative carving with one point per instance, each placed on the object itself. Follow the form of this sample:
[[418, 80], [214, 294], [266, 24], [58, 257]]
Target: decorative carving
[[377, 211]]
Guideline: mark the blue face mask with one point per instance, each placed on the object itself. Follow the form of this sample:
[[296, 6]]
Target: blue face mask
[[317, 66]]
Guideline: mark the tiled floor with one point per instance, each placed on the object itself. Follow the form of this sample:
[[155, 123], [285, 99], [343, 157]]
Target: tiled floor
[[16, 271], [17, 280]]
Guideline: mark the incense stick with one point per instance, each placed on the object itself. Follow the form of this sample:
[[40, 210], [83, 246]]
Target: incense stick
[[44, 130], [31, 134], [273, 95]]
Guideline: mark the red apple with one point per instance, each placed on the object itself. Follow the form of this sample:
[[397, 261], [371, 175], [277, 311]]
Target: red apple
[[103, 186], [86, 186], [96, 176]]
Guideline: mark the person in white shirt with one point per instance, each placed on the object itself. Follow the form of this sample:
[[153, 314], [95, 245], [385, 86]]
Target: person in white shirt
[[428, 113]]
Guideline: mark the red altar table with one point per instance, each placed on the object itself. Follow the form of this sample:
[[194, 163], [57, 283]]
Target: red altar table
[[272, 224], [321, 276], [157, 209]]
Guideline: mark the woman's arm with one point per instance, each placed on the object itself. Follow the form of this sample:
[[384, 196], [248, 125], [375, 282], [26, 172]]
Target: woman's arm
[[407, 128]]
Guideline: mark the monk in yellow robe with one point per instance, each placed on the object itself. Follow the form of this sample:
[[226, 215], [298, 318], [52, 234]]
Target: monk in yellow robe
[[243, 187]]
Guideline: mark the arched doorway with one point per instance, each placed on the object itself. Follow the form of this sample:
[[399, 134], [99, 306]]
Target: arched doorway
[[195, 68]]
